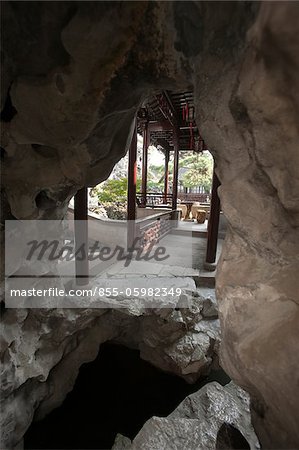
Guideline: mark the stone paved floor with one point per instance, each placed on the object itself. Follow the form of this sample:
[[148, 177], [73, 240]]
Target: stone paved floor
[[182, 269], [185, 225], [186, 258], [186, 252]]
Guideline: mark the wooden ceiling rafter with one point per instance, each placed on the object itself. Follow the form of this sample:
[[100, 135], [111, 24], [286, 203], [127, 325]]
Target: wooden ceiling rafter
[[164, 112]]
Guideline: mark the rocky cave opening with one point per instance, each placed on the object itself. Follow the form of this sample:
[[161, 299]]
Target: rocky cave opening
[[116, 393], [73, 79]]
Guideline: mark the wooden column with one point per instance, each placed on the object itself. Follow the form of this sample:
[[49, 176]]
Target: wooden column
[[175, 169], [144, 164], [213, 223], [81, 236], [166, 175], [131, 192]]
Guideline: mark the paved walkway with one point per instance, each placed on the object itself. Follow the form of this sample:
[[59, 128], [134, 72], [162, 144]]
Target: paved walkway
[[186, 256], [188, 225], [185, 248]]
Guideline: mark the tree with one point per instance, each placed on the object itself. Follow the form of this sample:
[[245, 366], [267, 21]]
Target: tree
[[113, 190], [155, 178], [198, 171]]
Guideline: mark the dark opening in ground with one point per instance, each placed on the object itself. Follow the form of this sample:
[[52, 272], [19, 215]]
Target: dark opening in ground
[[229, 437], [116, 393]]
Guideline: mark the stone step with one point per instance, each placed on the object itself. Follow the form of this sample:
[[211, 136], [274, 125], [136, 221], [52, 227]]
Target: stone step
[[205, 279], [186, 232]]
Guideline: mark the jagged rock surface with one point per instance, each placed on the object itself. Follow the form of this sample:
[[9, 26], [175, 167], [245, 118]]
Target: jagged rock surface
[[74, 74], [198, 423], [248, 117], [49, 346], [82, 101]]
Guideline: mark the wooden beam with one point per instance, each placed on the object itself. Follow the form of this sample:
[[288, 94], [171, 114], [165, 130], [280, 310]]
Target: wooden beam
[[144, 164], [213, 223], [81, 236], [161, 125], [166, 107], [166, 175], [131, 191], [175, 169], [164, 144]]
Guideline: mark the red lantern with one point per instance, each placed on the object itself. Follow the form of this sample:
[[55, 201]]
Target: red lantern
[[191, 114]]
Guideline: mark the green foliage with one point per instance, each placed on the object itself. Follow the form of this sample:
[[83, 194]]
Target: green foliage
[[116, 211], [199, 171], [113, 190], [155, 178]]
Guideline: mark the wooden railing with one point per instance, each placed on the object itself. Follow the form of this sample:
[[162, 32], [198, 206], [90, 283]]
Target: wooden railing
[[201, 198], [154, 200], [157, 199]]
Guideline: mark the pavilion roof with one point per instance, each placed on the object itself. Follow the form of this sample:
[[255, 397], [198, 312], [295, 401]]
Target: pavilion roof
[[166, 111]]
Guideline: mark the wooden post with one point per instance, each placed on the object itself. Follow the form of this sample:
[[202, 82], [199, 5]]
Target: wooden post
[[81, 236], [175, 169], [144, 164], [131, 192], [213, 223], [166, 176]]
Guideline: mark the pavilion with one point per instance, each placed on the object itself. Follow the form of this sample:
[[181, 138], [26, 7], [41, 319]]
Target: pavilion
[[166, 120]]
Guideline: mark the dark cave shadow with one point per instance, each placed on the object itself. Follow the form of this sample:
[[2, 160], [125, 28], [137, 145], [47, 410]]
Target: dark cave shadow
[[116, 393]]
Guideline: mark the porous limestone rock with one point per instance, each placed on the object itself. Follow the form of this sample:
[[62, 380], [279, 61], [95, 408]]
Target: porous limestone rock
[[249, 116], [121, 443], [215, 417], [179, 341], [69, 117], [42, 353], [74, 74]]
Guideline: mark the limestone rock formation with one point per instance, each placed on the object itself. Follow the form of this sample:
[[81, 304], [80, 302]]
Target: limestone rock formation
[[50, 346], [70, 116], [249, 118], [74, 74], [179, 341], [215, 417], [121, 443]]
